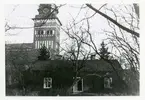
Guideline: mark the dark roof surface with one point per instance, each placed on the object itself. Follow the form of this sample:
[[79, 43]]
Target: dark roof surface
[[90, 65], [25, 53], [101, 65], [19, 45]]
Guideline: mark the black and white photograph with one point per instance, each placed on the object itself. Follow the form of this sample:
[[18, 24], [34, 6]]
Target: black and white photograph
[[67, 49]]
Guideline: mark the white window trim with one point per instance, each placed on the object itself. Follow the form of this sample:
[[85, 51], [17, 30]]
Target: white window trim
[[48, 84], [76, 84]]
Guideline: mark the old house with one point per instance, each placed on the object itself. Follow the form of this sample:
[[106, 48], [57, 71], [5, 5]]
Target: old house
[[53, 77], [58, 75]]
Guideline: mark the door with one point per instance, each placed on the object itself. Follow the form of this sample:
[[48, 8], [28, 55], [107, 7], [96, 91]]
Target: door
[[79, 85]]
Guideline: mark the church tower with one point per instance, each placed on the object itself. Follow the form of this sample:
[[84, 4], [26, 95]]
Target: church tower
[[47, 28]]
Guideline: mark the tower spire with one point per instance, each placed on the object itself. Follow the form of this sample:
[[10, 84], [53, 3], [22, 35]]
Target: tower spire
[[47, 28], [47, 11]]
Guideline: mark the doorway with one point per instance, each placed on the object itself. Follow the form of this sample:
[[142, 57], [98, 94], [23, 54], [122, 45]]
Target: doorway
[[78, 87]]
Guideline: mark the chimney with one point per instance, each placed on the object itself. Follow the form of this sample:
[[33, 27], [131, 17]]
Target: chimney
[[93, 57]]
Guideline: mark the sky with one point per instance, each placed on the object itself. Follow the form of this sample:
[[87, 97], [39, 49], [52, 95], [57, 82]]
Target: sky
[[21, 15], [29, 12]]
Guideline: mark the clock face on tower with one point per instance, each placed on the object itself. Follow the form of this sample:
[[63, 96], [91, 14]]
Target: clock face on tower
[[46, 10]]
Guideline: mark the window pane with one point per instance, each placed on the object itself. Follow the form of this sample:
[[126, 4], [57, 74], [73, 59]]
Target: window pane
[[41, 32], [48, 32], [38, 32], [51, 32], [49, 79], [107, 82], [47, 82]]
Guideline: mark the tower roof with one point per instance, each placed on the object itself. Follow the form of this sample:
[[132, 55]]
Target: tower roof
[[47, 11]]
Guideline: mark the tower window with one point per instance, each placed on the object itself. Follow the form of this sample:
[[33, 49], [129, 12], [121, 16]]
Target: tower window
[[50, 32], [40, 32], [51, 44], [57, 46]]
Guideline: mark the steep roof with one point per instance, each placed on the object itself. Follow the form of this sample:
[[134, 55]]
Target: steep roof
[[23, 52], [101, 65], [50, 64], [19, 45], [90, 65]]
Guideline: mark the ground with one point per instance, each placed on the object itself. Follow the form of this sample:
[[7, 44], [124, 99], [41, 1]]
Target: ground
[[18, 92]]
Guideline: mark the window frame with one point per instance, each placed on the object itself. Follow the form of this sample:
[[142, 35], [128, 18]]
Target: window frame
[[50, 32], [40, 32], [47, 32], [75, 87], [47, 82], [110, 82]]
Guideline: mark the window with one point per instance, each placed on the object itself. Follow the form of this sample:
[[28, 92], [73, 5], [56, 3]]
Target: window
[[47, 83], [36, 45], [107, 82], [40, 32], [50, 32], [51, 44], [57, 46], [47, 32], [78, 87]]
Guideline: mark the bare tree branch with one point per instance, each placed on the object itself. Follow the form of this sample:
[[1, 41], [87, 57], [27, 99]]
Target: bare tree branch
[[113, 21]]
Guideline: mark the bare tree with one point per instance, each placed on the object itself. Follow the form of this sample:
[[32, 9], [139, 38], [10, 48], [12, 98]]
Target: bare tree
[[126, 46], [113, 21], [9, 27], [77, 51]]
